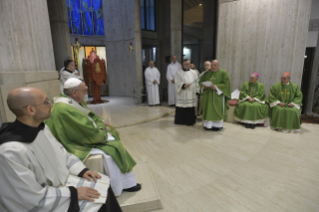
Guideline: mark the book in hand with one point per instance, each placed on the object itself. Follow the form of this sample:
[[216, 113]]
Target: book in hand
[[101, 185], [207, 83]]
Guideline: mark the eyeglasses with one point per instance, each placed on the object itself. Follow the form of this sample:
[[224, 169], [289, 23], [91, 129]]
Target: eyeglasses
[[47, 102]]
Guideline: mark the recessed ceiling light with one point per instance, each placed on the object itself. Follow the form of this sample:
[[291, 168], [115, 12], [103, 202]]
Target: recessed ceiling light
[[200, 4]]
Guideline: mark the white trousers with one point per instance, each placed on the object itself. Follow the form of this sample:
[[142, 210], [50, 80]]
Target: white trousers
[[119, 181]]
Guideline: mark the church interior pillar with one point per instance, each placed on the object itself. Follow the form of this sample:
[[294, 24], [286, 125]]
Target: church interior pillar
[[60, 31], [27, 57], [176, 28]]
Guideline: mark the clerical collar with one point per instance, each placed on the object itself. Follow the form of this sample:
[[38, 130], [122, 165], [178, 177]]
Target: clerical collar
[[288, 83], [214, 71], [185, 69], [73, 100], [67, 70], [18, 131]]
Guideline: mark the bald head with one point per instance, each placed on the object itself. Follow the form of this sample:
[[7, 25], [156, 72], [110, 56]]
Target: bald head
[[21, 97], [215, 65], [285, 78]]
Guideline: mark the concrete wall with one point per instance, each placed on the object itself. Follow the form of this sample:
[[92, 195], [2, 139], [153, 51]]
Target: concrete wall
[[25, 36], [314, 15], [26, 50], [120, 19], [264, 36]]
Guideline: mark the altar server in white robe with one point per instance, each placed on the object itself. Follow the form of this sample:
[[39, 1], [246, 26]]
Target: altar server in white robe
[[172, 69], [68, 72], [153, 78], [36, 172], [186, 100]]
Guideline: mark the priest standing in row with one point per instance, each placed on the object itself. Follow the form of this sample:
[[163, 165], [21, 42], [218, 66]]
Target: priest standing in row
[[251, 108], [285, 101], [35, 169], [186, 85], [215, 98], [172, 69], [152, 79]]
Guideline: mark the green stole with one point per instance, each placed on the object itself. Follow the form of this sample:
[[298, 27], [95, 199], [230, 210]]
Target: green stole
[[72, 125]]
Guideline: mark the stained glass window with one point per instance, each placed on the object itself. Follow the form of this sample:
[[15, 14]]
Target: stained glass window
[[85, 17], [148, 15]]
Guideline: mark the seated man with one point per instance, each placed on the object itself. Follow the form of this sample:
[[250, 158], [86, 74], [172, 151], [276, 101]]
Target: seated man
[[35, 169], [285, 99], [68, 72], [83, 133], [251, 108]]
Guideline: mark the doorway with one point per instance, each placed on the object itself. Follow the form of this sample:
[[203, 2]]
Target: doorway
[[306, 75]]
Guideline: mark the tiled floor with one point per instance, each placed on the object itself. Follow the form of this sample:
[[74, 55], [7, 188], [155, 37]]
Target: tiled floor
[[236, 169]]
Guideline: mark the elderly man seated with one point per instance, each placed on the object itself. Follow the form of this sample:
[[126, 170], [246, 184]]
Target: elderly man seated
[[83, 133], [285, 99], [37, 173], [68, 72], [251, 108]]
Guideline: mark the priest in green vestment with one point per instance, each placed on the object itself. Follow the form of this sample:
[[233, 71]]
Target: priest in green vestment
[[285, 101], [251, 108], [83, 133], [215, 87]]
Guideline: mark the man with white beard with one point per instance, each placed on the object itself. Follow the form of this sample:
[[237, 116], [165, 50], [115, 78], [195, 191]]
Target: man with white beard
[[170, 75]]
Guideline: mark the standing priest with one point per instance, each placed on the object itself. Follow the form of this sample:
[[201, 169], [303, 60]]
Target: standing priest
[[186, 99], [83, 133], [251, 108], [285, 100], [172, 69], [215, 100], [36, 172], [152, 77]]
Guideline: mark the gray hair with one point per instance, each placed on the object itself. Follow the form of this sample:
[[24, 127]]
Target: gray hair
[[69, 91], [207, 62]]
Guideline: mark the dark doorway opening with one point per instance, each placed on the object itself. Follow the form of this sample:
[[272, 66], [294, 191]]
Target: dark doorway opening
[[306, 74]]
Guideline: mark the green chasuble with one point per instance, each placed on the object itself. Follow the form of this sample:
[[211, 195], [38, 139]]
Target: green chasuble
[[213, 107], [77, 133], [285, 118], [255, 112]]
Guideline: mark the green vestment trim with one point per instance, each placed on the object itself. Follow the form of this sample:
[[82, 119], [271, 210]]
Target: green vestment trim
[[75, 131], [255, 112], [212, 103], [286, 118]]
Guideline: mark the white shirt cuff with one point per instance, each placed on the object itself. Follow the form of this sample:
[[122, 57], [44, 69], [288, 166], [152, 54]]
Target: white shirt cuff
[[257, 100], [296, 105], [273, 104], [219, 92]]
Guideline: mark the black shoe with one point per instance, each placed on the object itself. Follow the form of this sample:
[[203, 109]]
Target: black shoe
[[247, 126], [252, 126], [134, 188], [216, 129]]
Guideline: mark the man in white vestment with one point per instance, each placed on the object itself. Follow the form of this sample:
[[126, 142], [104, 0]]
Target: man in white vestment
[[68, 72], [172, 68], [152, 78], [74, 117], [37, 173], [62, 69], [186, 100]]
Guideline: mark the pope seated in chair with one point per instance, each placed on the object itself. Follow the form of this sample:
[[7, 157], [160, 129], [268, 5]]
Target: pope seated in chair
[[83, 133]]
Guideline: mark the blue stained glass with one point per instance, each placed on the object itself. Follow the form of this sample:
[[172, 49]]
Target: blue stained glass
[[142, 15], [98, 17], [87, 11], [75, 16], [150, 15]]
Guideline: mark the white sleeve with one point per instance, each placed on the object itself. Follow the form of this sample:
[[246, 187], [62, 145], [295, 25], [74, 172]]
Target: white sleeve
[[273, 104], [148, 77], [296, 105], [158, 77], [169, 74], [74, 164], [219, 92], [20, 190]]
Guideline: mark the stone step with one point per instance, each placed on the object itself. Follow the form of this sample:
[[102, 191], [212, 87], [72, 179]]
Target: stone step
[[147, 199]]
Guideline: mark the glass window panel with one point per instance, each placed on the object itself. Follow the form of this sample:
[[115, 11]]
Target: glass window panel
[[87, 11], [98, 17], [142, 14], [150, 15], [75, 16]]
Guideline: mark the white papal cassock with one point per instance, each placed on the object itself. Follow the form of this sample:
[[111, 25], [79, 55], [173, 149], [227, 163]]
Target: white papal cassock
[[170, 75], [152, 74], [34, 176]]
